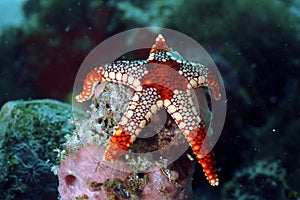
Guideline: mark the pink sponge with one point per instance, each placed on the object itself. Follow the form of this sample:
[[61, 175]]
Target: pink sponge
[[83, 175]]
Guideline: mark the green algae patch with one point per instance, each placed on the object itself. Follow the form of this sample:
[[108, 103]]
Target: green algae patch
[[29, 131]]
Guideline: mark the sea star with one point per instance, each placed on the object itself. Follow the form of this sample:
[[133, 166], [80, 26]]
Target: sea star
[[160, 81]]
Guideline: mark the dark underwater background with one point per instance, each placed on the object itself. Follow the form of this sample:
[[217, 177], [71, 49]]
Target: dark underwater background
[[255, 44]]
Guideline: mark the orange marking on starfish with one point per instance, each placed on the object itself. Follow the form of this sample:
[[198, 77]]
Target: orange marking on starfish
[[89, 84], [157, 73], [208, 164], [119, 144], [195, 139], [159, 45]]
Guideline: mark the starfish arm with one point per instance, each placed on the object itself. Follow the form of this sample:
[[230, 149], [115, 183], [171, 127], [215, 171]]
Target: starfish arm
[[208, 164], [184, 113], [142, 107], [126, 72], [200, 75], [89, 84]]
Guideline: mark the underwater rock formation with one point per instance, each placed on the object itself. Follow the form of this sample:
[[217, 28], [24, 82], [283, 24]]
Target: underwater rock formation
[[29, 131], [264, 180], [84, 175]]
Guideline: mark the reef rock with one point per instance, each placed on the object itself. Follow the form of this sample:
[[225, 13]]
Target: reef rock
[[83, 173], [29, 131]]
